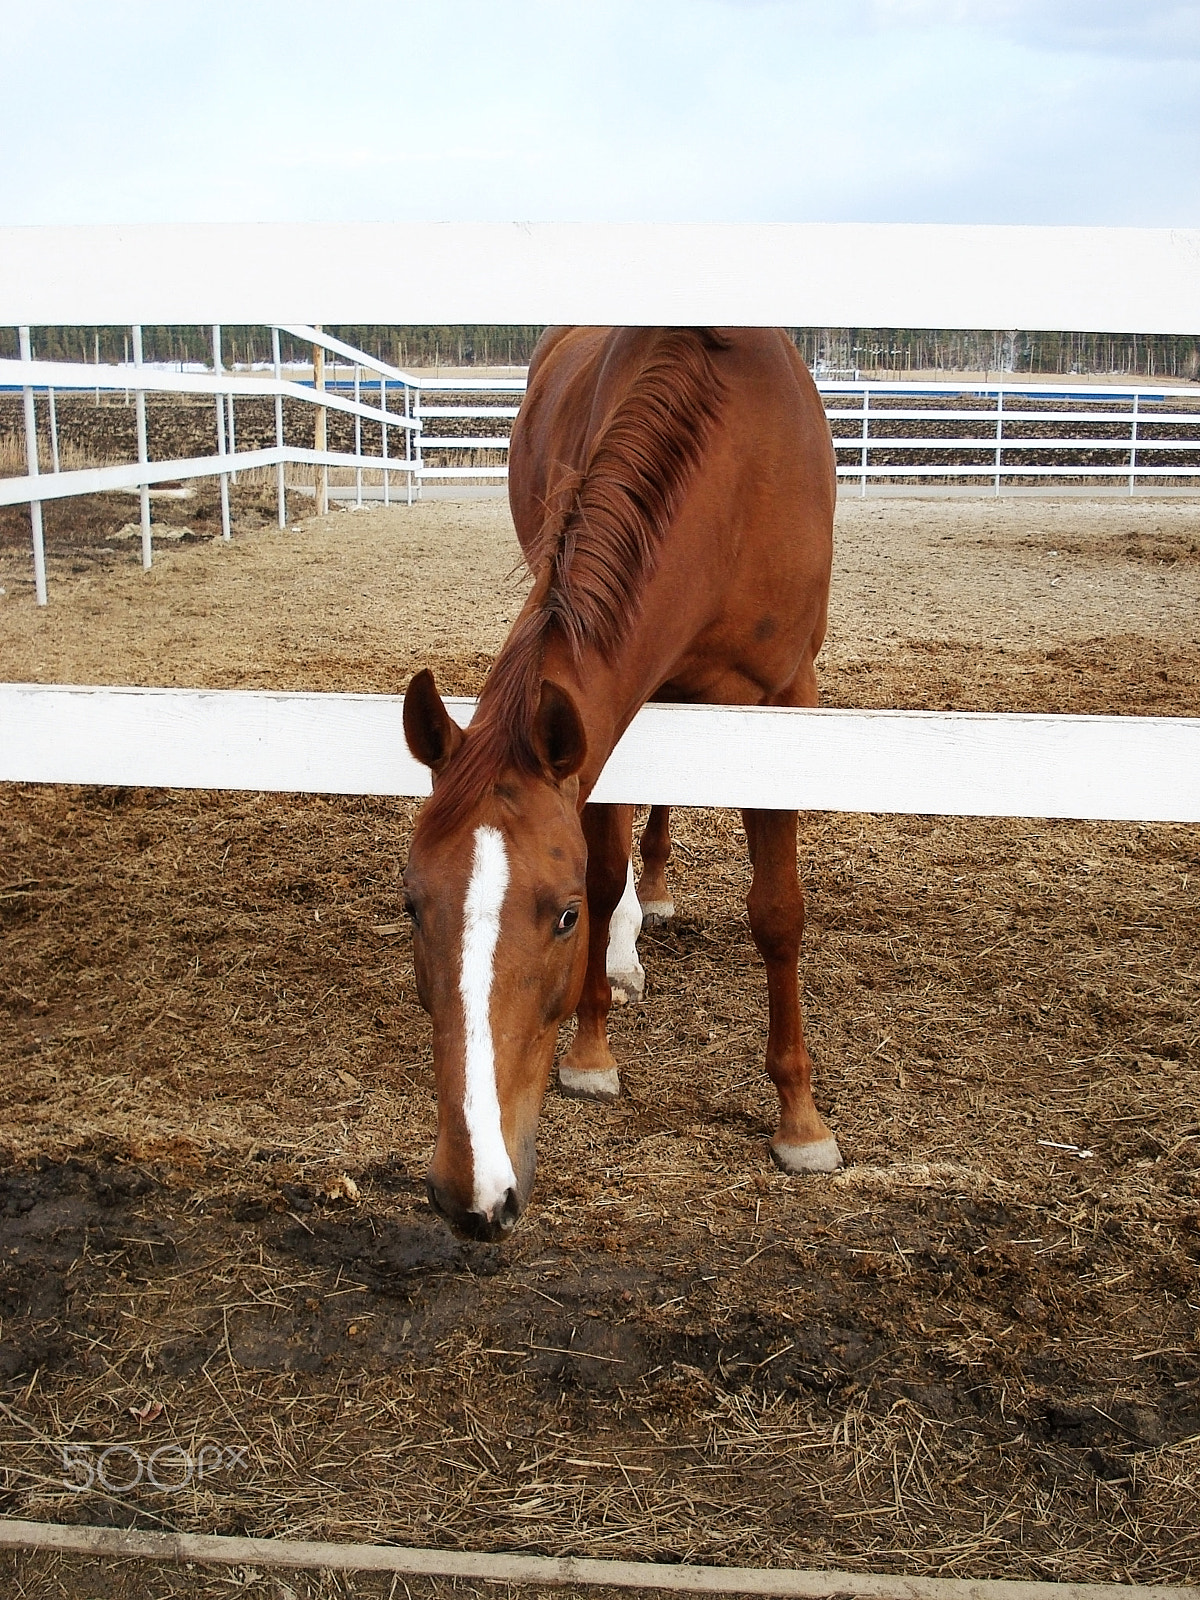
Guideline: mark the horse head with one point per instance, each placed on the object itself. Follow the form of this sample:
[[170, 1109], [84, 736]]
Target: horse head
[[496, 892]]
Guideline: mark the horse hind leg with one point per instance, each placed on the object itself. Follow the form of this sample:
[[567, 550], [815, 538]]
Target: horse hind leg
[[802, 1142], [626, 975], [652, 891]]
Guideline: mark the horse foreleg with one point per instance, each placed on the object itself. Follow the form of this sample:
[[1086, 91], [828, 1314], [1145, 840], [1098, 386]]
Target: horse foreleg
[[588, 1068], [655, 896], [625, 972], [802, 1141]]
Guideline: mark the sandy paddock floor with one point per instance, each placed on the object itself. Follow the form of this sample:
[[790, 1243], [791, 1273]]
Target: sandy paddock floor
[[971, 1353]]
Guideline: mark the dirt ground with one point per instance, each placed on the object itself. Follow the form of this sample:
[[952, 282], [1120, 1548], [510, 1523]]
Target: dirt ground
[[974, 1352]]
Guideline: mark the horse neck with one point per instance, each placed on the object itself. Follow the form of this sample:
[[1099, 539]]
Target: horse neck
[[607, 697]]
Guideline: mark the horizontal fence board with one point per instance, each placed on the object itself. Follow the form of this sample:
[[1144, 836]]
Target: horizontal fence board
[[891, 275], [947, 763], [464, 441], [969, 415], [1013, 469], [1049, 386], [130, 475], [482, 411], [125, 379], [1008, 443]]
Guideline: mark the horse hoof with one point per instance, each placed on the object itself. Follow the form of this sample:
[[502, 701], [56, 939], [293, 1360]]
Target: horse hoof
[[822, 1155], [579, 1085], [656, 912], [627, 986]]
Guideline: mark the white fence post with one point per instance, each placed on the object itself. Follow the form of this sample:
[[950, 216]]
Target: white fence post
[[31, 457], [280, 486], [999, 433], [226, 532], [143, 453], [1133, 435]]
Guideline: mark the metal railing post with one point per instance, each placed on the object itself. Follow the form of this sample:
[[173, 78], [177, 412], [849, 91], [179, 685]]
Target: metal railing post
[[226, 531], [31, 458], [320, 434], [1133, 437], [280, 486], [999, 433], [143, 453], [358, 438], [865, 434], [384, 439], [408, 442]]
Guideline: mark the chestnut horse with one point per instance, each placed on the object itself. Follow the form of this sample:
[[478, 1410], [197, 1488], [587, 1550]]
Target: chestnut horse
[[673, 492]]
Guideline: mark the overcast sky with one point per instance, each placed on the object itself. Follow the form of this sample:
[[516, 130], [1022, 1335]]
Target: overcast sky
[[1000, 111]]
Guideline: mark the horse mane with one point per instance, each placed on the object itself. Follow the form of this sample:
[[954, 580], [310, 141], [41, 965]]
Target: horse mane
[[594, 557]]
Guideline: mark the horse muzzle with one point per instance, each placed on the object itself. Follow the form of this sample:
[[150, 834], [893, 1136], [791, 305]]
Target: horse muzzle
[[486, 1227]]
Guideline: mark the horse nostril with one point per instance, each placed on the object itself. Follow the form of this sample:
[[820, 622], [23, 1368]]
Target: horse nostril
[[496, 1223], [434, 1198], [485, 1226]]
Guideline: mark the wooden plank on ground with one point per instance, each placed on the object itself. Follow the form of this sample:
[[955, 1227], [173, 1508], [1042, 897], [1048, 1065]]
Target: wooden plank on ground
[[569, 1571]]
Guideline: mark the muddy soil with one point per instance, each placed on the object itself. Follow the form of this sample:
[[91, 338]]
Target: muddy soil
[[973, 1352]]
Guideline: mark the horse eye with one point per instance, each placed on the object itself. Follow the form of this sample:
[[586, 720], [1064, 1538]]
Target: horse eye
[[410, 911], [568, 920]]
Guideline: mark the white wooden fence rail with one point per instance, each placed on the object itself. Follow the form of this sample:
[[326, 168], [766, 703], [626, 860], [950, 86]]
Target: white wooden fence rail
[[815, 275], [938, 763], [95, 480]]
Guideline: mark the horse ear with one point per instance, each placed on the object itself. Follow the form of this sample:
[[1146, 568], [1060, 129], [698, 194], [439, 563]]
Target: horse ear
[[432, 734], [558, 736]]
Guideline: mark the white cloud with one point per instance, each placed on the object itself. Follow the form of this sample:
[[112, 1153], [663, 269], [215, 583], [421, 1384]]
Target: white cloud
[[715, 110], [1127, 28]]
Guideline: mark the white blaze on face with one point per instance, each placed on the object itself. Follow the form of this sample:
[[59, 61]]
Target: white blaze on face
[[494, 1175]]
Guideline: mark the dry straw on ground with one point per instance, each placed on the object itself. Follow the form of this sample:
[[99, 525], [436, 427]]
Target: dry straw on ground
[[973, 1352]]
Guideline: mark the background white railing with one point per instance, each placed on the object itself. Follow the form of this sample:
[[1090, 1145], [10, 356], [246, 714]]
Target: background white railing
[[51, 377], [977, 437], [1007, 435], [888, 436]]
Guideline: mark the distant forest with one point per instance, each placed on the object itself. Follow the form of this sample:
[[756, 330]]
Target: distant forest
[[871, 350]]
